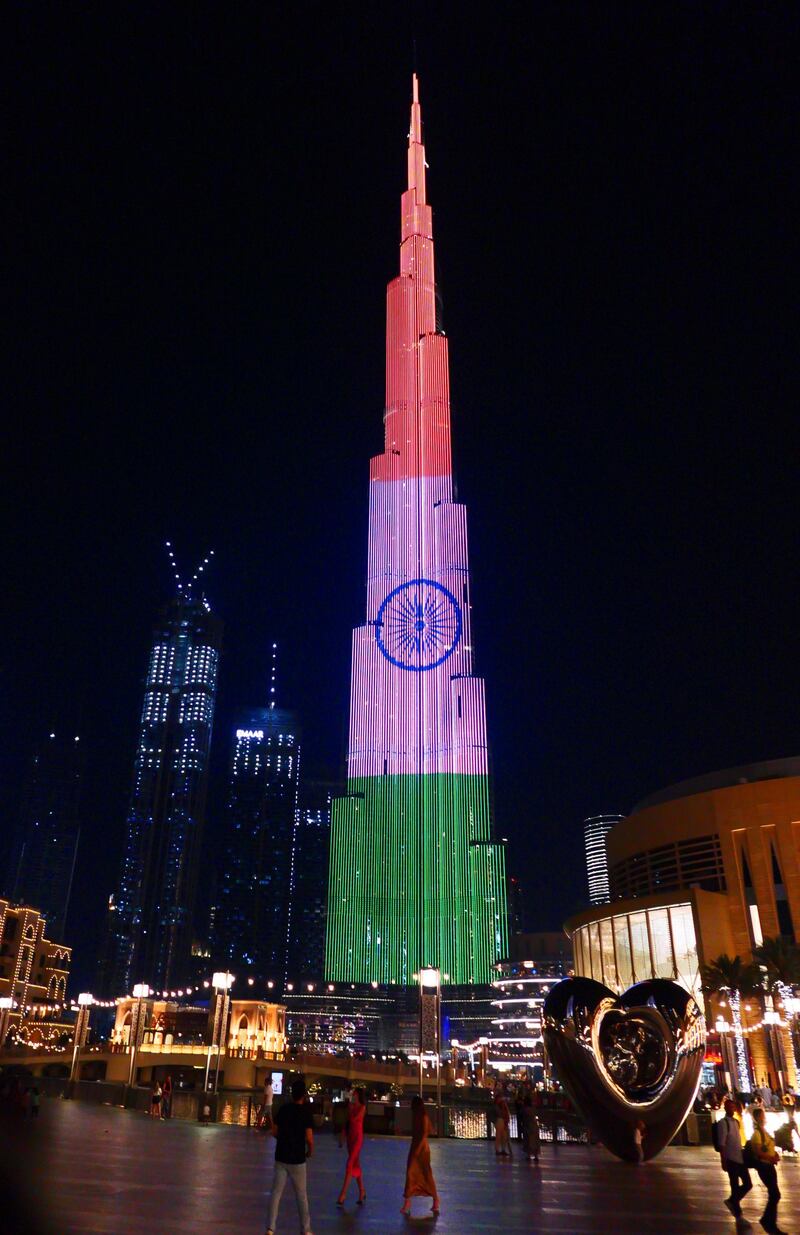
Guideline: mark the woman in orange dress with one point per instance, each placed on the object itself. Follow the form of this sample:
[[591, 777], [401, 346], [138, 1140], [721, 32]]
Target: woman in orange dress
[[355, 1139], [419, 1176]]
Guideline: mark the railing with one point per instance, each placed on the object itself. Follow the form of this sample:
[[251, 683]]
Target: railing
[[472, 1123]]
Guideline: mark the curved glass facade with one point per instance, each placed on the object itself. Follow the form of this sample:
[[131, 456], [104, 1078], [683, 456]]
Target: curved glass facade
[[624, 948]]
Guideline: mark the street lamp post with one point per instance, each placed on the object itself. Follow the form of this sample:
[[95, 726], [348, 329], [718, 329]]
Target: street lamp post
[[430, 1032], [140, 992], [6, 1005], [85, 1002], [722, 1027], [222, 983]]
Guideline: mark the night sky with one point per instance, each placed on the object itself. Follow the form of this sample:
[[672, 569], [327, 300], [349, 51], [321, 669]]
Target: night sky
[[204, 213]]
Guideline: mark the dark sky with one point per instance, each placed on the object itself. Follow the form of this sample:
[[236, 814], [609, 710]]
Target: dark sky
[[204, 212]]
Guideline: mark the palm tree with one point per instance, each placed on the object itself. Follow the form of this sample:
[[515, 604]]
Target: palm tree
[[731, 976], [781, 959]]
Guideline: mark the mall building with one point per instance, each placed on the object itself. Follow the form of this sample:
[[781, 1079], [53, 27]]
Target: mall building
[[706, 867]]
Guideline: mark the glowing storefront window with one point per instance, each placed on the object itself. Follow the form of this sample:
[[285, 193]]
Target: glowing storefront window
[[623, 941], [607, 952], [577, 948], [622, 949], [587, 964], [685, 943], [594, 951], [641, 947], [663, 966]]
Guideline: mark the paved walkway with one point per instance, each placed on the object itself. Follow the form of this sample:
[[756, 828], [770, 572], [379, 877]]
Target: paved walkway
[[113, 1172]]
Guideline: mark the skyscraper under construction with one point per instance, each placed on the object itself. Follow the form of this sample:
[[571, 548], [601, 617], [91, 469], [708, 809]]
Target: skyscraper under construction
[[151, 917]]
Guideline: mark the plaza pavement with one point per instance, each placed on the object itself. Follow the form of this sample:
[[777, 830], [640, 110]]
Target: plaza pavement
[[112, 1172]]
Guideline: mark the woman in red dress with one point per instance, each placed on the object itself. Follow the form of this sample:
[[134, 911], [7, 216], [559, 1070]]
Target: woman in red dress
[[419, 1176], [355, 1139]]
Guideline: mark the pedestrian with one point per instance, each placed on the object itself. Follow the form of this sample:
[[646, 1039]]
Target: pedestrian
[[264, 1119], [517, 1100], [529, 1129], [728, 1142], [639, 1133], [355, 1139], [765, 1093], [155, 1101], [419, 1176], [502, 1119], [166, 1098], [762, 1147], [294, 1129], [36, 1099]]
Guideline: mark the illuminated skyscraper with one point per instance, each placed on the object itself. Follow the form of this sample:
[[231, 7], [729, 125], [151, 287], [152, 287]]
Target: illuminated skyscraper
[[151, 919], [43, 861], [416, 877], [595, 831], [252, 915]]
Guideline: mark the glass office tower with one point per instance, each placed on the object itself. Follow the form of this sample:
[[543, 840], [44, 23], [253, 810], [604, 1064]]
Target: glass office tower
[[252, 915], [43, 859]]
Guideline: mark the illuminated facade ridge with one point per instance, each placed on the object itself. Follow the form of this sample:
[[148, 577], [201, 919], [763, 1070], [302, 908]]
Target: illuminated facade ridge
[[415, 875]]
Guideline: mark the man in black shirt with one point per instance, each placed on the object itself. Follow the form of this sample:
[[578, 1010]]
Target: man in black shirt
[[294, 1128]]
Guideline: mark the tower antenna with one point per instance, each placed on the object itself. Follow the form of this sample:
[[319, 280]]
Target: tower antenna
[[174, 565], [273, 676], [205, 562], [184, 589]]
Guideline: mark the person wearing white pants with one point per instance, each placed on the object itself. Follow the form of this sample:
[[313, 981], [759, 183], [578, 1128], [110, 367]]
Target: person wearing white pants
[[294, 1129]]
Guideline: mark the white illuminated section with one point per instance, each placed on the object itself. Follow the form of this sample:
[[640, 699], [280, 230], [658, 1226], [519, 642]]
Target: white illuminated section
[[257, 734], [595, 831], [755, 922]]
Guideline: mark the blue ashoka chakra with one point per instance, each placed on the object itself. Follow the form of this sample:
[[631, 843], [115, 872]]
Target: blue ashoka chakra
[[418, 625]]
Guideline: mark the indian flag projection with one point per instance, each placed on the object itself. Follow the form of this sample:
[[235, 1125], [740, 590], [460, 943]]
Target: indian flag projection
[[416, 878]]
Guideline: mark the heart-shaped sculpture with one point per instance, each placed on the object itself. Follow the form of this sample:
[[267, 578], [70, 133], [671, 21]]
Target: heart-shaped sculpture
[[628, 1058]]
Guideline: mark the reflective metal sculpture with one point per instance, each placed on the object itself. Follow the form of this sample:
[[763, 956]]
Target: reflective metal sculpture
[[628, 1058]]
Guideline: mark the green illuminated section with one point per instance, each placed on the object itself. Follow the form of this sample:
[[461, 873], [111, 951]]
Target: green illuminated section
[[415, 880]]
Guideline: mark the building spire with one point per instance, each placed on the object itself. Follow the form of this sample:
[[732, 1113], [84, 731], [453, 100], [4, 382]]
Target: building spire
[[416, 150], [174, 565], [184, 589], [273, 676]]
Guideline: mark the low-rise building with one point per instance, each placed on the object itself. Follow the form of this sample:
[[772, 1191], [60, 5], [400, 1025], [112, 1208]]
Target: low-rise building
[[515, 1040], [33, 976], [255, 1028]]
